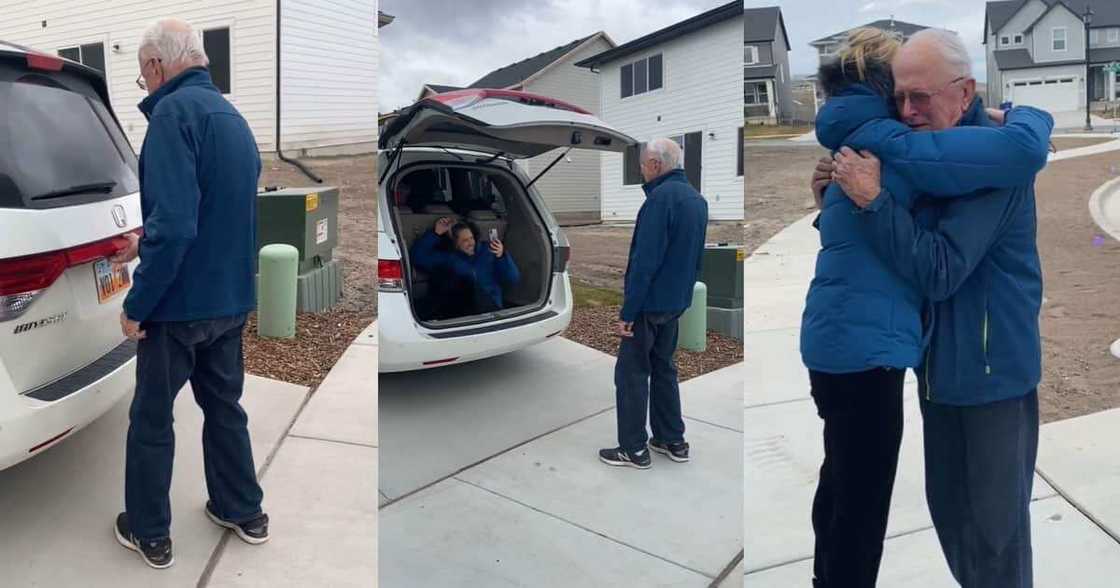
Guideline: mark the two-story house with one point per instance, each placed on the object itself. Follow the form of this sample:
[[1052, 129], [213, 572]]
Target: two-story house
[[1036, 52], [827, 46], [683, 82], [767, 84], [571, 188]]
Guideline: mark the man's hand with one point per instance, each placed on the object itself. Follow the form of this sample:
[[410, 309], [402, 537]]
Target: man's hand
[[131, 329], [443, 225], [497, 248], [858, 174], [996, 115], [624, 329], [128, 252], [822, 175]]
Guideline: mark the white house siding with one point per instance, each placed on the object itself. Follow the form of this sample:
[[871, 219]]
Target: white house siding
[[328, 76], [571, 189], [703, 92], [1042, 37], [73, 22]]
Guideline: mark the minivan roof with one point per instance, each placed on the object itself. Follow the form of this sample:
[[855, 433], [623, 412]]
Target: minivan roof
[[11, 52]]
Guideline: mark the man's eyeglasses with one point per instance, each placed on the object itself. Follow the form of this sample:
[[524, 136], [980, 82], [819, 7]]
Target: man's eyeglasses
[[140, 78], [921, 100]]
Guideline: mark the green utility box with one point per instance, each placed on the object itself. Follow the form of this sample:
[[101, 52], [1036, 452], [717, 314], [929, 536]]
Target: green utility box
[[307, 219], [722, 271]]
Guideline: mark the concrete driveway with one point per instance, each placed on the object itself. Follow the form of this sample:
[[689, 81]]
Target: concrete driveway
[[489, 477]]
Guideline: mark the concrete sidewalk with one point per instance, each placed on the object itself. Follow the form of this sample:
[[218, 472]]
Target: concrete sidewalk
[[318, 479], [1076, 518], [517, 496]]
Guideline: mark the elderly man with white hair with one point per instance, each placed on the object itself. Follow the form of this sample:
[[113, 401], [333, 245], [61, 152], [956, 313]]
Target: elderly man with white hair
[[191, 293], [975, 259], [665, 255]]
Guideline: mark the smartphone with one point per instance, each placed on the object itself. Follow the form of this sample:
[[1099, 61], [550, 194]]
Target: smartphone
[[493, 235]]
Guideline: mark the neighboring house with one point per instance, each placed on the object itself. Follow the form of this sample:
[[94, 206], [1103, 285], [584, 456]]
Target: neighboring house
[[328, 95], [827, 46], [683, 82], [767, 85], [571, 188], [1036, 52]]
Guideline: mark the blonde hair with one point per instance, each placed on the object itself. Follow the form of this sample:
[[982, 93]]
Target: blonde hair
[[868, 44]]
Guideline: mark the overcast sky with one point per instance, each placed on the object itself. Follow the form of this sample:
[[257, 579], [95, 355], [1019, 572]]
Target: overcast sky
[[807, 20], [456, 42]]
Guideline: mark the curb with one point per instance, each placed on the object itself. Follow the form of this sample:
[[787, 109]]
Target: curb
[[1106, 193]]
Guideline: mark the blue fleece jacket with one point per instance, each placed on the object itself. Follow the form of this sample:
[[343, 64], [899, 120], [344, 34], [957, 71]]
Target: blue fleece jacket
[[666, 249], [860, 313], [976, 259], [486, 271], [199, 167]]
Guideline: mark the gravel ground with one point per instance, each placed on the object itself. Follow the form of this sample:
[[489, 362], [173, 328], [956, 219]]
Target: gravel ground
[[1080, 318], [322, 338], [593, 326]]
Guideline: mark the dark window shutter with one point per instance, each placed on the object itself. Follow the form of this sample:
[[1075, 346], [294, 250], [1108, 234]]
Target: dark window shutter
[[632, 165], [627, 80], [71, 53], [93, 55], [640, 77], [656, 77], [216, 43], [692, 156], [739, 165]]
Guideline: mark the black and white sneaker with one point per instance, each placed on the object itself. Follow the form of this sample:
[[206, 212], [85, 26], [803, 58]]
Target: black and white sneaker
[[253, 532], [156, 553], [619, 457], [677, 452]]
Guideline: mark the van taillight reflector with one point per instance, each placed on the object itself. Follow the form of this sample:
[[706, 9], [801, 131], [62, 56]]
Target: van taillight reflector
[[51, 440], [390, 275], [44, 62], [441, 361]]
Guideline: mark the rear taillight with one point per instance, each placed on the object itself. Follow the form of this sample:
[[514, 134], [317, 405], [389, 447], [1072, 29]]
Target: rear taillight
[[24, 279], [560, 258], [390, 275]]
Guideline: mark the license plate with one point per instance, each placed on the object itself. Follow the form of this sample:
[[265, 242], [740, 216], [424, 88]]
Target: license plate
[[109, 281]]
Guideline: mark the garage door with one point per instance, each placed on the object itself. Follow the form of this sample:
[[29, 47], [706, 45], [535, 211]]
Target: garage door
[[1059, 95]]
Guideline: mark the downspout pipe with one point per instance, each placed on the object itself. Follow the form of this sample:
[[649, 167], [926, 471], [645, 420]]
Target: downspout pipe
[[280, 152]]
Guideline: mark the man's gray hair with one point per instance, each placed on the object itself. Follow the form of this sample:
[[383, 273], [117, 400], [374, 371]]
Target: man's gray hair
[[175, 42], [953, 50], [667, 151]]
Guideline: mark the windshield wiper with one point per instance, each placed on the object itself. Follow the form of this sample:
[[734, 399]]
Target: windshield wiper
[[450, 152], [96, 188]]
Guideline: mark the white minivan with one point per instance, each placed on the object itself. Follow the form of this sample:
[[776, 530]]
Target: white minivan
[[69, 190], [456, 155]]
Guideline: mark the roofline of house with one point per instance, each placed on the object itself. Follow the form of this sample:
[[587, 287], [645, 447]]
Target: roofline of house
[[598, 35], [1030, 27], [684, 27]]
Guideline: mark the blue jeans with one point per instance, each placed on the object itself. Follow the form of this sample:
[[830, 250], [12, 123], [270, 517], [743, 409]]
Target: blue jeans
[[979, 471], [208, 354], [645, 373]]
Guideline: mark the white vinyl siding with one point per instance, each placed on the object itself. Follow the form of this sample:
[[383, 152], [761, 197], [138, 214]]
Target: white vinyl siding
[[1062, 29], [327, 73], [703, 86], [571, 188]]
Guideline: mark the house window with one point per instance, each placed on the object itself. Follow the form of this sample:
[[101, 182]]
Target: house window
[[639, 77], [1018, 39], [1094, 37], [92, 55], [1005, 40], [781, 73], [750, 55], [1058, 40], [216, 44], [1113, 35], [739, 164], [754, 94], [632, 165]]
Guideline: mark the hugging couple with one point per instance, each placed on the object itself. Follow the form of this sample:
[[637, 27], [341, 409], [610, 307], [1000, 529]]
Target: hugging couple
[[928, 261]]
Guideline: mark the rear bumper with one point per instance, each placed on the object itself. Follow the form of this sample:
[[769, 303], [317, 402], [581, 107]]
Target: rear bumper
[[29, 426], [405, 346]]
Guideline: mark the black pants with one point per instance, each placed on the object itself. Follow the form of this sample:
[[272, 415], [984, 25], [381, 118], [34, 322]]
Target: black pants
[[862, 415], [979, 471], [208, 354], [645, 375]]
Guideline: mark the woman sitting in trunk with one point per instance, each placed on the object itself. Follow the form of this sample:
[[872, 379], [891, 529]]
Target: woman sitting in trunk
[[467, 275]]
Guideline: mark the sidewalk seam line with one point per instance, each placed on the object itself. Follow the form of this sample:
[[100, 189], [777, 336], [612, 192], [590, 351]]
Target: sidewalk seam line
[[220, 548], [339, 441], [711, 424], [488, 458], [1078, 506], [778, 402], [581, 527], [730, 567]]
